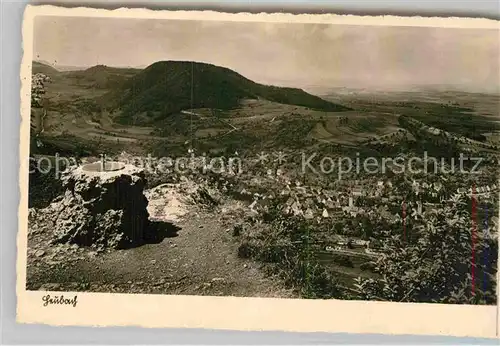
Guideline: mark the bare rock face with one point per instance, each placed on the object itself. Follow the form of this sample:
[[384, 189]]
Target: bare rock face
[[102, 207]]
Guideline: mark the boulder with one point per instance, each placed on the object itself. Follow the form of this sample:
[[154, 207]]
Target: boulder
[[102, 207]]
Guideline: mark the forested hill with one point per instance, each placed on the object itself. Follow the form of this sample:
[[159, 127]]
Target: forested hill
[[170, 86]]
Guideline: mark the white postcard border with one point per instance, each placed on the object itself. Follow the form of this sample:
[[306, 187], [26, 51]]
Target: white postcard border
[[231, 313]]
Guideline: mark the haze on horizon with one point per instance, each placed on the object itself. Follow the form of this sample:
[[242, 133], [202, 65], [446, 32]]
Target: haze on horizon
[[299, 55]]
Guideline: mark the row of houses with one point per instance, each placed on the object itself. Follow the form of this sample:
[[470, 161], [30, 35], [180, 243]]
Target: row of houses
[[341, 242], [478, 190]]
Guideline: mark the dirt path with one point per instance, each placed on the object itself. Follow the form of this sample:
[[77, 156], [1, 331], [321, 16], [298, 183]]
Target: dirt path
[[200, 258]]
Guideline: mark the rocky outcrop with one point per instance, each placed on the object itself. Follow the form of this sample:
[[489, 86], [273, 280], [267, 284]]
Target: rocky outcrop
[[101, 208]]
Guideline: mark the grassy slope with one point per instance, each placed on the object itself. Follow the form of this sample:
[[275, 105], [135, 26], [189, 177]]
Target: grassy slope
[[102, 77], [38, 67]]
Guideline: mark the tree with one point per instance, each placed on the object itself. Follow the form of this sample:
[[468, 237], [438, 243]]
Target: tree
[[38, 81], [436, 265]]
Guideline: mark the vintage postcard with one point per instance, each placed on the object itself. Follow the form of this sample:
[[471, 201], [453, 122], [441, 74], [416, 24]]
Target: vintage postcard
[[308, 173]]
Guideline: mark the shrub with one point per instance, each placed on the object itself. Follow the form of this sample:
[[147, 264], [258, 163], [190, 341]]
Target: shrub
[[237, 229], [283, 246]]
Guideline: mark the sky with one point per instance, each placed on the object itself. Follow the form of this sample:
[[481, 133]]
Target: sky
[[291, 54]]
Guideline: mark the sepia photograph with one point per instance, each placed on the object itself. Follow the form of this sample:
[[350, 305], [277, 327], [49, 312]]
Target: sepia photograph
[[260, 159]]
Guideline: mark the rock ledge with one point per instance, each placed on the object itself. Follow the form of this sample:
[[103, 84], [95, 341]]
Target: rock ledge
[[101, 208]]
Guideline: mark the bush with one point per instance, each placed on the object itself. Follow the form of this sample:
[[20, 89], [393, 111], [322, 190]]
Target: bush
[[237, 230], [434, 265], [246, 250], [283, 247]]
